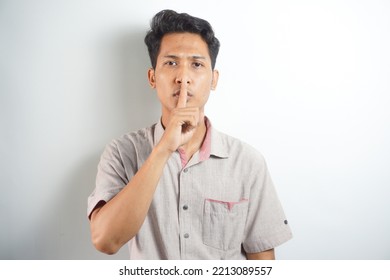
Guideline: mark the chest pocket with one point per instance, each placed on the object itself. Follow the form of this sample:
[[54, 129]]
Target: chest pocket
[[224, 223]]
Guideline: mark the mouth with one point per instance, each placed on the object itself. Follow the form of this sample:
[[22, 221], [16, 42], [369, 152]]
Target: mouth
[[176, 95]]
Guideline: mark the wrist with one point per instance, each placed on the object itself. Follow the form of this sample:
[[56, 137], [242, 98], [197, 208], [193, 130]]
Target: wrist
[[161, 151]]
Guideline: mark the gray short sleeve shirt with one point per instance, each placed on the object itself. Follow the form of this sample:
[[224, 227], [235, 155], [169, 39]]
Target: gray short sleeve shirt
[[215, 207]]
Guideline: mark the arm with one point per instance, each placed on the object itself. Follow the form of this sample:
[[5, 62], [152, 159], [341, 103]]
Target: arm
[[266, 255], [116, 222]]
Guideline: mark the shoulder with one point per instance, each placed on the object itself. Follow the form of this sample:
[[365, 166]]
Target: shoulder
[[238, 150], [138, 141], [139, 136]]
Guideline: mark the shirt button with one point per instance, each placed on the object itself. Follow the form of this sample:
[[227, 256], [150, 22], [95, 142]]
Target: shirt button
[[185, 170], [185, 207], [186, 235]]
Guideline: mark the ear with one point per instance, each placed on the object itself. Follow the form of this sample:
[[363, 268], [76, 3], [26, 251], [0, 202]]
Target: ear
[[151, 78], [214, 82]]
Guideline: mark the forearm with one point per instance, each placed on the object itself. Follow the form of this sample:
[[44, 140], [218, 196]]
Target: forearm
[[265, 255], [120, 219]]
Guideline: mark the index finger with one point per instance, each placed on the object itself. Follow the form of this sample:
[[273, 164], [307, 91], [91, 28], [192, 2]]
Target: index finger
[[182, 101]]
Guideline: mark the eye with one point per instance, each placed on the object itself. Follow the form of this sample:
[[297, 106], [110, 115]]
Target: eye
[[197, 64], [171, 63]]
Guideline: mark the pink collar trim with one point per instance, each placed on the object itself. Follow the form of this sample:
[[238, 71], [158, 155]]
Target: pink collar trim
[[205, 149]]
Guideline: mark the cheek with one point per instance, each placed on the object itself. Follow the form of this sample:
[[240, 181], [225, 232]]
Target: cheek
[[206, 83], [162, 84]]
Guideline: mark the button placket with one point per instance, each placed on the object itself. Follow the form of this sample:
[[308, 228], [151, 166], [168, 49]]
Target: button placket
[[185, 185]]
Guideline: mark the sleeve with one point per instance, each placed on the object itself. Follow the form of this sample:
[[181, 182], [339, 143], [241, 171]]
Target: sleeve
[[113, 173], [266, 225]]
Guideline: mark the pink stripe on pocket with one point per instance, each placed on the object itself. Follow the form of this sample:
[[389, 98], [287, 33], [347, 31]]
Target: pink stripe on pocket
[[229, 204]]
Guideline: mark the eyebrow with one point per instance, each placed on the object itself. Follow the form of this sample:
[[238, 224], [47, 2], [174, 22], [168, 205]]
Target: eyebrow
[[190, 56]]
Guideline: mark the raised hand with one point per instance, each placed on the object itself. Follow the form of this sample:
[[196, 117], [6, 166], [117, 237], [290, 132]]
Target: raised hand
[[182, 122]]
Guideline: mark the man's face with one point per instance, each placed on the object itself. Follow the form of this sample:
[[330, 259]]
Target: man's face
[[183, 64]]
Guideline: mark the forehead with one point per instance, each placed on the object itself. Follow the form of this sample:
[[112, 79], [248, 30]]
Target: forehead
[[183, 44]]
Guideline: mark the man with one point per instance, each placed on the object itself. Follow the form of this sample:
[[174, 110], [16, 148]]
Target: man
[[180, 189]]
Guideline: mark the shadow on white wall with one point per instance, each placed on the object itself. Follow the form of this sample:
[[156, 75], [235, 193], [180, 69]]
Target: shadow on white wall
[[56, 225]]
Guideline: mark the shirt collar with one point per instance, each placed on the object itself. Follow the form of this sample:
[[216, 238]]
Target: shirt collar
[[213, 144], [158, 132], [219, 146]]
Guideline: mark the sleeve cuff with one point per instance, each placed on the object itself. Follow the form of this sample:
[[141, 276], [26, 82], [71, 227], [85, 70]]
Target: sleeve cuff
[[94, 199], [264, 244]]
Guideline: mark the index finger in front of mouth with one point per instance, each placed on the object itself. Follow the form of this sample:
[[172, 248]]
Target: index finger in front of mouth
[[182, 101]]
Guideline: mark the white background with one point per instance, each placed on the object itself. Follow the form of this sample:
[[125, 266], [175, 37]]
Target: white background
[[305, 82]]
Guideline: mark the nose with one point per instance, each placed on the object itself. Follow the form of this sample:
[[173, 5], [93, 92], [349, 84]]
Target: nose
[[183, 77], [182, 81]]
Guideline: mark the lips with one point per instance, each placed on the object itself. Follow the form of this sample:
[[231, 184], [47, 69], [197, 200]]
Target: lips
[[177, 93]]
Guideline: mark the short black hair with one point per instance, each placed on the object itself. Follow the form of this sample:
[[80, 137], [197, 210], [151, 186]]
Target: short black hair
[[168, 21]]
